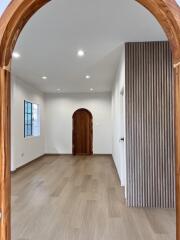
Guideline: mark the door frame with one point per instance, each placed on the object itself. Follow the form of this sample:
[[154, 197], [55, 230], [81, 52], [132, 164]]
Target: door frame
[[17, 14], [91, 116]]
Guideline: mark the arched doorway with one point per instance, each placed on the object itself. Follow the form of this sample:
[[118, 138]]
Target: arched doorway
[[82, 132], [11, 23]]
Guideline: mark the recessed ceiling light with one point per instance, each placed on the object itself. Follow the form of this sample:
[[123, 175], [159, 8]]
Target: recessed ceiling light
[[91, 89], [16, 55], [44, 77], [88, 77], [80, 53]]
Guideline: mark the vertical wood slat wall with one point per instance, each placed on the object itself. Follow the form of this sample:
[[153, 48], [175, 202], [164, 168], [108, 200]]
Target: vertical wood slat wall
[[149, 125]]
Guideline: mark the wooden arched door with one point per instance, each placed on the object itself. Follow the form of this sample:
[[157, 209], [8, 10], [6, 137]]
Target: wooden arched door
[[82, 132]]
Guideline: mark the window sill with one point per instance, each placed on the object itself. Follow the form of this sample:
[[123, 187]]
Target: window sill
[[30, 137]]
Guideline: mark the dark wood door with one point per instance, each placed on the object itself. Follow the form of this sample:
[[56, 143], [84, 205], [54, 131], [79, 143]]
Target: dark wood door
[[82, 132]]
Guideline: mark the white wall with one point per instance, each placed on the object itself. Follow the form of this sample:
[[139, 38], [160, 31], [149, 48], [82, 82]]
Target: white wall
[[24, 150], [118, 116], [59, 111]]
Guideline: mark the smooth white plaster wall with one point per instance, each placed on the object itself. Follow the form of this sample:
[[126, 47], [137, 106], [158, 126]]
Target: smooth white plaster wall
[[118, 118], [59, 110], [24, 150]]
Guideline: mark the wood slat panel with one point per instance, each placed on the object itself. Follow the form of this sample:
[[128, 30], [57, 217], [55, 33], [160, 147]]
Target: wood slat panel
[[149, 125]]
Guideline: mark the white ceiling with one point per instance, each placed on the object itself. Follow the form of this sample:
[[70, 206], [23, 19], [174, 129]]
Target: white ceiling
[[49, 42]]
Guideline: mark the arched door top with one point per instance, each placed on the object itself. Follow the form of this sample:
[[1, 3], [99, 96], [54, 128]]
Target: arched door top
[[82, 109]]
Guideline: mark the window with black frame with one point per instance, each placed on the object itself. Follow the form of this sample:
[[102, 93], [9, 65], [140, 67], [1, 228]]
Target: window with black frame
[[28, 119], [31, 119]]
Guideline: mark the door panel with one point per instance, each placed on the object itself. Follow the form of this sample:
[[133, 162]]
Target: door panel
[[82, 132]]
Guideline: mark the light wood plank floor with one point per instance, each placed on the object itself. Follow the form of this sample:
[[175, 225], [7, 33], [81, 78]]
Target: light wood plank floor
[[79, 198]]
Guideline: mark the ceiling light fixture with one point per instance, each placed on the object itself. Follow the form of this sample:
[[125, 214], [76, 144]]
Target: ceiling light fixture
[[16, 55], [80, 53], [91, 89], [58, 89], [88, 77], [44, 77]]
